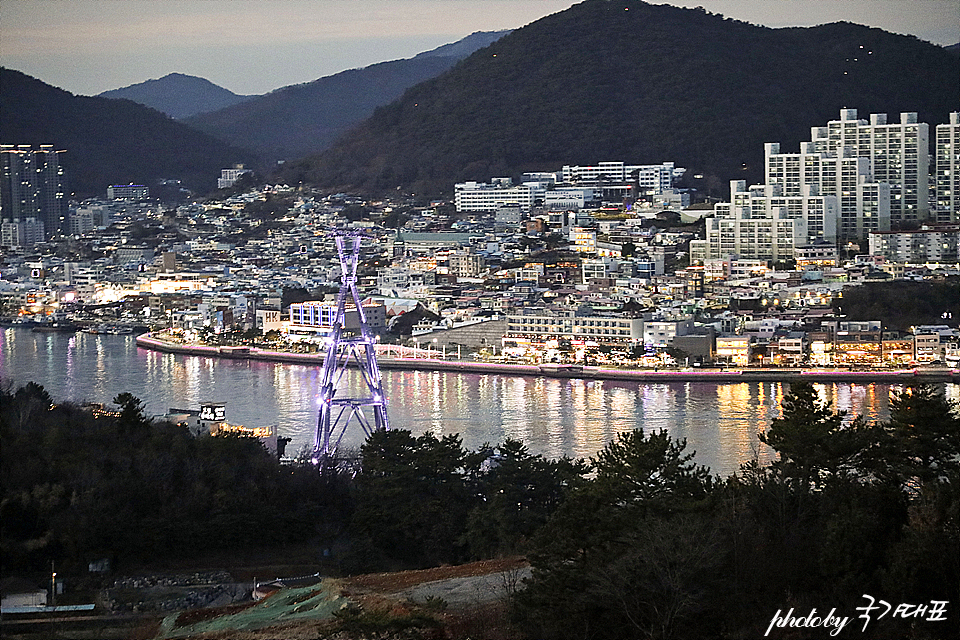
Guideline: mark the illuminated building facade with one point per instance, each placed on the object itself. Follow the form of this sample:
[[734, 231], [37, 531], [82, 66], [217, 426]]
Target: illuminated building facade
[[33, 186], [930, 243], [898, 152], [539, 327], [948, 170], [317, 318]]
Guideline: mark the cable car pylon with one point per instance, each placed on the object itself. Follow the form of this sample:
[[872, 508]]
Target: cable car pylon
[[338, 408]]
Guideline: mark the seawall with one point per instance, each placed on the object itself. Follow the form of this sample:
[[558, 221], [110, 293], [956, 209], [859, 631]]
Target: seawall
[[146, 341]]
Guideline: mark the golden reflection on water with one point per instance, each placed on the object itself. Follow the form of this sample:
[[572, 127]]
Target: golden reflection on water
[[553, 417]]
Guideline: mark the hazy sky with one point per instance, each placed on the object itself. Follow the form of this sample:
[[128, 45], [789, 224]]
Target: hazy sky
[[255, 46]]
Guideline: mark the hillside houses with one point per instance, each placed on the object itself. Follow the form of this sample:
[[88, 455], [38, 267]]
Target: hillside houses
[[551, 282]]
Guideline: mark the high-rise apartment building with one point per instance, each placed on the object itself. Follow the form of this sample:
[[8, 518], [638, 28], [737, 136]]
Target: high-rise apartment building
[[948, 170], [863, 202], [759, 224], [33, 186], [899, 154]]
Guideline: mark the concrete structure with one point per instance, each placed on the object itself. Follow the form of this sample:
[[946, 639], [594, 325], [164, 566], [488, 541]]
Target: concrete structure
[[538, 326], [816, 256], [481, 196], [948, 170], [229, 176], [929, 243], [651, 177], [735, 350], [33, 186], [570, 198], [315, 319], [661, 333], [898, 152], [21, 233], [750, 231], [863, 202], [128, 192]]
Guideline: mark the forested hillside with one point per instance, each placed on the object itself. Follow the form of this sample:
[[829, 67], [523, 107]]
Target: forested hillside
[[901, 304], [109, 141], [639, 542], [178, 95], [640, 83], [299, 120]]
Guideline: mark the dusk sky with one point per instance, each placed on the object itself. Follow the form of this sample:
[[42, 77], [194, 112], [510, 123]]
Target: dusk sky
[[255, 46]]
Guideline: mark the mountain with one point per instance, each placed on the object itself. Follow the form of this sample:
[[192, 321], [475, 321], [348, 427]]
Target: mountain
[[178, 95], [624, 80], [465, 46], [109, 141], [302, 119]]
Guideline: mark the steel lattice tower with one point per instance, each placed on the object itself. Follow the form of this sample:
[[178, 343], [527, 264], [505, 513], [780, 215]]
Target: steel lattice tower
[[337, 407]]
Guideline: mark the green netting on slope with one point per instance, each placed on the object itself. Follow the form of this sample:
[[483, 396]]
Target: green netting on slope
[[316, 602]]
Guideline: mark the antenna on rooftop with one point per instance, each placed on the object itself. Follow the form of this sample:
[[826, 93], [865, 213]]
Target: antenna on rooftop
[[337, 407]]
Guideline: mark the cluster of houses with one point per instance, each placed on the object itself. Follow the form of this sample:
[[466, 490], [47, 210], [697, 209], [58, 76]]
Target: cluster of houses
[[589, 261]]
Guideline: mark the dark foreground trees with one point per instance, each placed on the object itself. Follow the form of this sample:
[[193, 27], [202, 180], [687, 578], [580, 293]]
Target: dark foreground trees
[[653, 547], [78, 486], [640, 543]]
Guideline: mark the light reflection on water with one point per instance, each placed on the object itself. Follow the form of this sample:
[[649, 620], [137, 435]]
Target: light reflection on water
[[555, 417]]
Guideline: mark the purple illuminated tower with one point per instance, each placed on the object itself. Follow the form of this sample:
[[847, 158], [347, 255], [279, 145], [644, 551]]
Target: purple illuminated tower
[[357, 348]]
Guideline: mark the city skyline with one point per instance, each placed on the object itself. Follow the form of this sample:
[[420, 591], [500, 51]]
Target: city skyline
[[90, 46]]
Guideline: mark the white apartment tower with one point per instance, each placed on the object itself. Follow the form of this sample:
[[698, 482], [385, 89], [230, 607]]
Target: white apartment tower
[[758, 224], [948, 170], [899, 154], [863, 203]]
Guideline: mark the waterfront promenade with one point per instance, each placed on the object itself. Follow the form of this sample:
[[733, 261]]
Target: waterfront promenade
[[390, 357]]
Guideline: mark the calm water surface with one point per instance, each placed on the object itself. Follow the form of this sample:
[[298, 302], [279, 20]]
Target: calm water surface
[[553, 417]]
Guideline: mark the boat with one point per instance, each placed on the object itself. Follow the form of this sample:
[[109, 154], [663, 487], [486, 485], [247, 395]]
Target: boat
[[63, 327]]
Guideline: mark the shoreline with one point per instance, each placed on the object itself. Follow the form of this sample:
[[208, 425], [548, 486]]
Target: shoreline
[[903, 376]]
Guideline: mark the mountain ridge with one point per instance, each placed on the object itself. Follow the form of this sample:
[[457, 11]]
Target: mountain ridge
[[626, 80], [110, 141], [301, 119], [178, 95]]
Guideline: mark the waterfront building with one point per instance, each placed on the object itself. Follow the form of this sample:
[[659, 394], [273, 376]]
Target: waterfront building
[[789, 349], [929, 243], [314, 319], [897, 348], [927, 347], [858, 347], [948, 170], [33, 186], [736, 350], [661, 333], [898, 152], [268, 320], [538, 326]]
